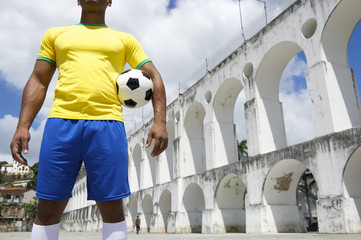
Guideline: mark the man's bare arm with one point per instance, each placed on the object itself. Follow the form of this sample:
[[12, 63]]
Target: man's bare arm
[[158, 131], [33, 97]]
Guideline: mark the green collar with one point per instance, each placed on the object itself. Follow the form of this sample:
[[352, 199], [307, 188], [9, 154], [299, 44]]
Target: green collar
[[92, 24]]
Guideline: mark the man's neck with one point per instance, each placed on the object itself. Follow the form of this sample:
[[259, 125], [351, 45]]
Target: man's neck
[[92, 17]]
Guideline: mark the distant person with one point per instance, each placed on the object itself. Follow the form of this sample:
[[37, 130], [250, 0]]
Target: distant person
[[137, 224], [85, 123]]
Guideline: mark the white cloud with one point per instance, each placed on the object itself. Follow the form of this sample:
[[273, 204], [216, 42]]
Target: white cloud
[[178, 41]]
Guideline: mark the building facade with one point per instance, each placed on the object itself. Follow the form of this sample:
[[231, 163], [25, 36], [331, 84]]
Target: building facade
[[199, 184]]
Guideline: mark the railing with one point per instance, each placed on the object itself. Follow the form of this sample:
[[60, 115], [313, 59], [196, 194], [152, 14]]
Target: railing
[[273, 8]]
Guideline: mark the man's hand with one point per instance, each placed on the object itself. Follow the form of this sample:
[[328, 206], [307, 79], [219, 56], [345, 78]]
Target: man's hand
[[19, 145], [158, 132]]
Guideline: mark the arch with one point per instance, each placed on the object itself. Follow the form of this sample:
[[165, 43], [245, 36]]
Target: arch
[[194, 205], [344, 104], [137, 159], [230, 199], [166, 165], [165, 207], [194, 147], [225, 146], [280, 197], [133, 209], [281, 182], [352, 176], [271, 68], [338, 31], [149, 166], [354, 56], [296, 102], [147, 206], [352, 191]]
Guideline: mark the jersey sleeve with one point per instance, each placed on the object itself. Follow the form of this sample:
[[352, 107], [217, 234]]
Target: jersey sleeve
[[135, 54], [47, 50]]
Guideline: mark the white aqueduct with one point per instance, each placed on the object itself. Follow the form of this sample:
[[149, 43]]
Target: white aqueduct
[[200, 185]]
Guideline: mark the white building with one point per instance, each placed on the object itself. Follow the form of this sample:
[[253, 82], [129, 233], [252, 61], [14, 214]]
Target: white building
[[15, 168]]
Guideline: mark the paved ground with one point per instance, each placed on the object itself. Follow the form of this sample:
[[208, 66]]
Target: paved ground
[[131, 236]]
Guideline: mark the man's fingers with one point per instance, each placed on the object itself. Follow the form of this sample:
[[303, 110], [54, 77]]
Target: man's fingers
[[149, 140], [18, 157], [24, 146], [155, 148], [159, 146]]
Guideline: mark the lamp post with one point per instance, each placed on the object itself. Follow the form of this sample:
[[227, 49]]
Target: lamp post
[[265, 9], [240, 15]]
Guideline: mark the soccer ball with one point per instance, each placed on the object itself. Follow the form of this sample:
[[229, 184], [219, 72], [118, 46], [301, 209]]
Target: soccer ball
[[134, 88]]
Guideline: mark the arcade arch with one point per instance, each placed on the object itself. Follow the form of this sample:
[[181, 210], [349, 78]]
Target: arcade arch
[[137, 159], [280, 197], [230, 199], [344, 105], [147, 206], [194, 147], [268, 80], [165, 207], [296, 105], [224, 104], [352, 190], [165, 167], [194, 205], [133, 209], [354, 56]]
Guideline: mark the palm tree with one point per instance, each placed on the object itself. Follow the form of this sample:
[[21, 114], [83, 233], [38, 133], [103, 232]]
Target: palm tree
[[242, 149], [306, 186]]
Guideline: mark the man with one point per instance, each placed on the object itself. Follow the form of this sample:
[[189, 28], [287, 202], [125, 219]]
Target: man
[[137, 224], [85, 122]]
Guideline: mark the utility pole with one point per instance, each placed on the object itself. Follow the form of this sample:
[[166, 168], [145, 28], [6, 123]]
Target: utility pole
[[240, 15], [265, 9]]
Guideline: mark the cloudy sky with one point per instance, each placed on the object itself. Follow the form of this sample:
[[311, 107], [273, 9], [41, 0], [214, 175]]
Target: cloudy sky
[[178, 35]]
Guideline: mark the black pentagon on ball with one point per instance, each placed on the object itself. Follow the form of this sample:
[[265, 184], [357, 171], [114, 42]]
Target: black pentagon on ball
[[117, 87], [133, 83], [145, 75], [148, 94], [130, 103]]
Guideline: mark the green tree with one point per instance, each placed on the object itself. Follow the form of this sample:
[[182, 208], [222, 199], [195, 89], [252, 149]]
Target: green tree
[[34, 168], [31, 209], [242, 149], [2, 163], [2, 177], [32, 183], [307, 185]]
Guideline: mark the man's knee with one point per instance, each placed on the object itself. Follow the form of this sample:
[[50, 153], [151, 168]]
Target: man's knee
[[49, 212], [111, 211]]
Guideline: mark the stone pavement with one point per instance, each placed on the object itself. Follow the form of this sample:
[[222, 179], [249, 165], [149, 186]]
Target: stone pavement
[[231, 236]]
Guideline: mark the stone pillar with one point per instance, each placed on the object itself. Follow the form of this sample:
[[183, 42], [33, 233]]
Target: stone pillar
[[157, 224], [253, 219], [179, 223], [330, 213], [265, 126], [210, 145], [352, 215], [335, 102], [212, 221], [274, 219]]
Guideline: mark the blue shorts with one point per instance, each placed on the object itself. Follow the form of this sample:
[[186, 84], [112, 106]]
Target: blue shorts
[[66, 144]]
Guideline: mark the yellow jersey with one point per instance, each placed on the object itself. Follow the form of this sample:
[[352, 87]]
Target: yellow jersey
[[89, 58]]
